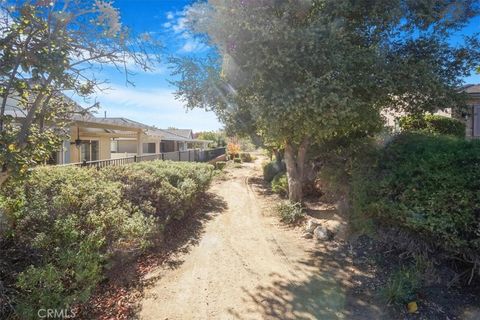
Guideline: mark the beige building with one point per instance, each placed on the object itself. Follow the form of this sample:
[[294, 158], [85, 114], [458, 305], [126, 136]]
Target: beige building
[[94, 138], [471, 116]]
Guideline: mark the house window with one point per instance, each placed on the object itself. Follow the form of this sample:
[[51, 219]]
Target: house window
[[114, 146], [476, 121], [149, 147], [89, 150]]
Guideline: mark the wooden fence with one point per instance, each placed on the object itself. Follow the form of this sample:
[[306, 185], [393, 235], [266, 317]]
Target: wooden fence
[[195, 155]]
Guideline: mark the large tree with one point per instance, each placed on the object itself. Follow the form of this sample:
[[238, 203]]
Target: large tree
[[298, 71], [48, 48]]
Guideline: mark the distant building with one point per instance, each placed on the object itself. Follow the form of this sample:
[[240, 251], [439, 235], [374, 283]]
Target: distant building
[[95, 138], [471, 116]]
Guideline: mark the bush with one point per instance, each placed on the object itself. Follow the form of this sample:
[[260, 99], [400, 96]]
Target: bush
[[69, 220], [220, 165], [246, 157], [433, 124], [247, 144], [163, 189], [427, 185], [237, 160], [290, 212], [271, 169], [280, 184], [402, 286], [233, 149]]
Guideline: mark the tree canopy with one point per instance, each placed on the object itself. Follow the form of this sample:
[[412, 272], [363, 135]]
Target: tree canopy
[[51, 47], [300, 71]]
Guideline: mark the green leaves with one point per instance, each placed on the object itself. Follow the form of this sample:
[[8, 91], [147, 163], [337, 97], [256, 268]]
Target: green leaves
[[295, 71], [44, 51], [72, 220], [433, 124], [428, 185]]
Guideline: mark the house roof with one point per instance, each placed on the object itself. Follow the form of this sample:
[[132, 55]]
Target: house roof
[[165, 134], [473, 90], [127, 121], [186, 133]]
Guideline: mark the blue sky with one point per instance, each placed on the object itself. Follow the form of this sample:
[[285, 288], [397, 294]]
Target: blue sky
[[151, 101]]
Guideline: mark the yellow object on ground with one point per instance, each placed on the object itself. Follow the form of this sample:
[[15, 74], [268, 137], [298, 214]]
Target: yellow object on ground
[[412, 307]]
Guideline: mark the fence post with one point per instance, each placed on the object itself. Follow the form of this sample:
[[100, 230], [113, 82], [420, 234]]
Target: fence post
[[179, 156], [135, 158], [84, 163]]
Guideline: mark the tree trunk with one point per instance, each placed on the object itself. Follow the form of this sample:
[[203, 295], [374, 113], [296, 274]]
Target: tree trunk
[[3, 177], [295, 162], [278, 156]]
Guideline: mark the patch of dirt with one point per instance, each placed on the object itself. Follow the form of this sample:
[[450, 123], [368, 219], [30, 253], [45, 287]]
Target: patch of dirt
[[435, 301], [117, 297], [247, 265]]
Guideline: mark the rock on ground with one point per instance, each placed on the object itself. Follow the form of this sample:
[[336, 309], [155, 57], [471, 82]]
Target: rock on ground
[[324, 229]]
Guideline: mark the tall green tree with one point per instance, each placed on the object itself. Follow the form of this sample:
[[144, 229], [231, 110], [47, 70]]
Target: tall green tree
[[298, 72], [51, 47], [218, 138]]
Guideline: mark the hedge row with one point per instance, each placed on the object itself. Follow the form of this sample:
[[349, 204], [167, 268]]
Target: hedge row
[[428, 185], [433, 124], [68, 222]]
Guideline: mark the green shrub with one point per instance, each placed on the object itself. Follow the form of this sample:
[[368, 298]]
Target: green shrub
[[402, 286], [237, 160], [433, 124], [271, 169], [70, 220], [428, 185], [164, 189], [246, 157], [280, 184], [220, 165], [290, 212]]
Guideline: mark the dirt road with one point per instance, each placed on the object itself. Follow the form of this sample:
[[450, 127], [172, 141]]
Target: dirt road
[[248, 266]]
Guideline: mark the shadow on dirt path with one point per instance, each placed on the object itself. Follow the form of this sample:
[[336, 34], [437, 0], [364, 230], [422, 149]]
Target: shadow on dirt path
[[248, 266], [117, 297]]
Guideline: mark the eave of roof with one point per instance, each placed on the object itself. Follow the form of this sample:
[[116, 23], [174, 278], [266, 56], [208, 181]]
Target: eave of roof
[[471, 89], [153, 131]]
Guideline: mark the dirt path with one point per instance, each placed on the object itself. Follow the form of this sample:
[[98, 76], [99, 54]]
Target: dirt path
[[248, 266]]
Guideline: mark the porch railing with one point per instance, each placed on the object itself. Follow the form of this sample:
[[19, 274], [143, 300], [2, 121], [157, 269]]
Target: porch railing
[[194, 155]]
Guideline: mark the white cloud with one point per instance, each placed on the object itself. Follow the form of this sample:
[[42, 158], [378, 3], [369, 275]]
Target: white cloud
[[5, 20], [177, 24], [180, 25], [193, 45], [176, 21], [155, 67], [154, 107], [139, 97]]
